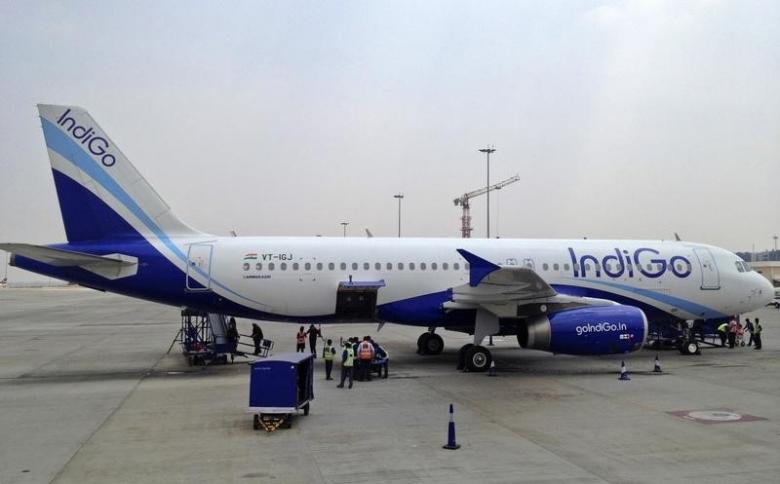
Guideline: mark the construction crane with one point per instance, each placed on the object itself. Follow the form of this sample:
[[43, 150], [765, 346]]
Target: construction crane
[[463, 201]]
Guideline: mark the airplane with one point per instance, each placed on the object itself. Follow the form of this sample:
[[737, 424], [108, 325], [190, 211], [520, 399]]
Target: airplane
[[579, 297]]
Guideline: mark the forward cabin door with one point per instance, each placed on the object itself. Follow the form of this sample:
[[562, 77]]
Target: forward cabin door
[[199, 267], [710, 277]]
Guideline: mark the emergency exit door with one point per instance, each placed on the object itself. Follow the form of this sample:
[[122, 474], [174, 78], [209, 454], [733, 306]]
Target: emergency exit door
[[710, 277], [199, 267]]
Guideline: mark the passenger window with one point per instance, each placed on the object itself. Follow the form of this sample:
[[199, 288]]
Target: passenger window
[[456, 266], [444, 266], [259, 266], [556, 267], [331, 266], [422, 266], [354, 266], [378, 266], [433, 266], [283, 266], [307, 266], [296, 266], [319, 266], [366, 266], [411, 266], [343, 266], [400, 266], [271, 266], [467, 266], [566, 267], [587, 267], [246, 266], [598, 268], [545, 266], [389, 266]]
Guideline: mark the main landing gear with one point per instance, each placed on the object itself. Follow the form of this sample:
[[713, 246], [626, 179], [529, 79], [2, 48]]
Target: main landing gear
[[474, 358], [430, 343]]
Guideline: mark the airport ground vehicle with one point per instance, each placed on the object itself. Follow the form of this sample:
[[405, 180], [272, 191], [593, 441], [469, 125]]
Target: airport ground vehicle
[[280, 387]]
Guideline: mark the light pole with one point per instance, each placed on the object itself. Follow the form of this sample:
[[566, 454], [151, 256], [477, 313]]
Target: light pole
[[487, 152], [344, 224], [400, 197], [774, 254]]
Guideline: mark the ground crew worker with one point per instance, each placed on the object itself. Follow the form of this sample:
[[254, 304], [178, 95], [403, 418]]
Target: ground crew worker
[[732, 332], [366, 356], [313, 334], [382, 359], [347, 364], [328, 353], [749, 327], [300, 341], [723, 330], [757, 335], [257, 337], [232, 337]]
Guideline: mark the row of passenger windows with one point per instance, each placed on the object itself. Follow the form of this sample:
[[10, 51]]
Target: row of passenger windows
[[331, 266], [614, 267]]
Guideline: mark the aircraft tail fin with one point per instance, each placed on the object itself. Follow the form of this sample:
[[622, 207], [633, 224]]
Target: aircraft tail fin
[[101, 194]]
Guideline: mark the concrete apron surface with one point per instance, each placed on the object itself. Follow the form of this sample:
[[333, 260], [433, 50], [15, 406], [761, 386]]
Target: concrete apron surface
[[88, 394]]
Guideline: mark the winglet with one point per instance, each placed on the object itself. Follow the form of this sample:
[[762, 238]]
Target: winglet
[[479, 268]]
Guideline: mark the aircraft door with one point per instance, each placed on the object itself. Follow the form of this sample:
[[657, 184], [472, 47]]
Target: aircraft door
[[710, 277], [199, 267]]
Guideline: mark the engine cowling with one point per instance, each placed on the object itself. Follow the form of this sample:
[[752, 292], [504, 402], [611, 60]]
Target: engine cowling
[[586, 331]]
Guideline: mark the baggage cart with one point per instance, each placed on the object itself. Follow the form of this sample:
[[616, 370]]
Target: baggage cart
[[279, 388]]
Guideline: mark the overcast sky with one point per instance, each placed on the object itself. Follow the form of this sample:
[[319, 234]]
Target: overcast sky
[[623, 119]]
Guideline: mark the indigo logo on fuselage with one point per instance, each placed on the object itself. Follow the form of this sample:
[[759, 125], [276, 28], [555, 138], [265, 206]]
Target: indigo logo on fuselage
[[600, 328], [625, 263], [97, 145]]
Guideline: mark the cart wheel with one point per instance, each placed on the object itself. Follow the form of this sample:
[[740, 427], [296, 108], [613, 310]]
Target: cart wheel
[[287, 421], [306, 409], [256, 422]]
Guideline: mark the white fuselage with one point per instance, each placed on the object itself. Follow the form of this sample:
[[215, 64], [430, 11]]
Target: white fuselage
[[298, 277]]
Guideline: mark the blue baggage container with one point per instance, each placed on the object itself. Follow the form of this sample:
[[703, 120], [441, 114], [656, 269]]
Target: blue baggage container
[[279, 387]]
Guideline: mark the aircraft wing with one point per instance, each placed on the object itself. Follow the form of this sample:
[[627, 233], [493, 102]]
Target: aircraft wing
[[111, 266], [511, 291]]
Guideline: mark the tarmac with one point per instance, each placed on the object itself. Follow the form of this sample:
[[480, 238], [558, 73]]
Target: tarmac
[[88, 393]]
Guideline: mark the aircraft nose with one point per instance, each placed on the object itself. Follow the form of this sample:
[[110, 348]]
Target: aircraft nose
[[766, 289]]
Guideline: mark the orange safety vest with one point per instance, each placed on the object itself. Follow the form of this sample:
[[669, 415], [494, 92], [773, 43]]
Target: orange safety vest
[[300, 338], [365, 351]]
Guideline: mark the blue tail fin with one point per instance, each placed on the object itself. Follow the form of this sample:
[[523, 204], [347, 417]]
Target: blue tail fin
[[101, 194]]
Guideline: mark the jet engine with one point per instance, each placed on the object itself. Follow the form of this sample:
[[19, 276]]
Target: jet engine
[[586, 331]]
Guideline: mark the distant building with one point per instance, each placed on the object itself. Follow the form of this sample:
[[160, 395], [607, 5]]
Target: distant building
[[770, 270]]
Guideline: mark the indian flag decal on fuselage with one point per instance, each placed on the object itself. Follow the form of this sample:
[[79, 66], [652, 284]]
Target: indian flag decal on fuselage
[[250, 257]]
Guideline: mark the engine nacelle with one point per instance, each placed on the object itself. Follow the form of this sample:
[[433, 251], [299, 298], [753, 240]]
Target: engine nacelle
[[586, 331]]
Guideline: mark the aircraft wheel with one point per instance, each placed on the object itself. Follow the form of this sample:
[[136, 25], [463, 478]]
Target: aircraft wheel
[[462, 355], [433, 344], [478, 359], [421, 343], [689, 348], [256, 422], [306, 409]]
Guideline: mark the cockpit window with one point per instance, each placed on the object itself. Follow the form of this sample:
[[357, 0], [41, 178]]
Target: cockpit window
[[747, 267], [739, 265]]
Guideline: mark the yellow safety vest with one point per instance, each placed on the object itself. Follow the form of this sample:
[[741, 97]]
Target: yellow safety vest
[[350, 358], [329, 353]]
